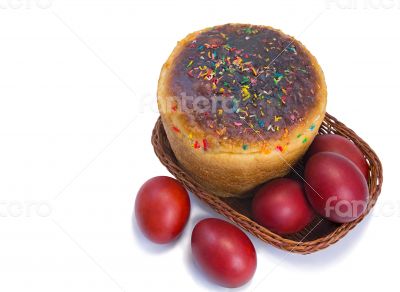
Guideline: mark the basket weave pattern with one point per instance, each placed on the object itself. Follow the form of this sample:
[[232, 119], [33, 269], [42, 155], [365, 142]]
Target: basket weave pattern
[[318, 235]]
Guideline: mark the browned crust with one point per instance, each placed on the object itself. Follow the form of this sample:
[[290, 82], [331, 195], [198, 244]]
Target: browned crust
[[227, 168]]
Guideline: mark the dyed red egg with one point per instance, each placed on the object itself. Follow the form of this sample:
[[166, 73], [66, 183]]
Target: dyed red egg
[[223, 252], [335, 187], [281, 206], [162, 208], [340, 145]]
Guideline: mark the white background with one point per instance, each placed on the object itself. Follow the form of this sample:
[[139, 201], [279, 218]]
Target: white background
[[78, 102]]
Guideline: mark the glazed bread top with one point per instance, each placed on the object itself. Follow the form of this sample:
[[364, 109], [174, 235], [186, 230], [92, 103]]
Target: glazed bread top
[[241, 82]]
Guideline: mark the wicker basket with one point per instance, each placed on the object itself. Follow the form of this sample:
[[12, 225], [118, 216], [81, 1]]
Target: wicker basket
[[319, 234]]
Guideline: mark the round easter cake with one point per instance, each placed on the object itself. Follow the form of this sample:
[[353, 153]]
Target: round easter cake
[[240, 105]]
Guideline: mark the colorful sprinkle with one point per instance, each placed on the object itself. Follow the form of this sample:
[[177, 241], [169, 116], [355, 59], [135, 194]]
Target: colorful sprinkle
[[265, 149], [205, 144], [286, 133], [292, 49], [277, 78]]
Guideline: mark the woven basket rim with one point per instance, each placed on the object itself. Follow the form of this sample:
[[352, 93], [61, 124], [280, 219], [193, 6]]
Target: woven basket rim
[[329, 125]]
